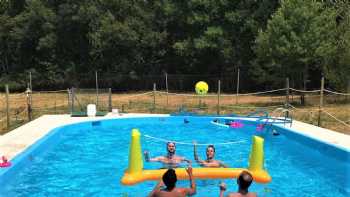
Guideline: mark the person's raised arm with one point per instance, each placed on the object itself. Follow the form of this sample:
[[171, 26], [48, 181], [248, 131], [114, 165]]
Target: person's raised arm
[[146, 155], [195, 151], [187, 160], [222, 187], [195, 155], [192, 190], [148, 159], [156, 189], [222, 164]]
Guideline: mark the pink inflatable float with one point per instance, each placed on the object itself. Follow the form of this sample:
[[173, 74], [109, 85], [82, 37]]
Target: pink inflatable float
[[260, 127], [4, 162], [236, 125]]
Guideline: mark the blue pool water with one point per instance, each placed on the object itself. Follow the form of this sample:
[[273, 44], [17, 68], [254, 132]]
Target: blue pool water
[[89, 159]]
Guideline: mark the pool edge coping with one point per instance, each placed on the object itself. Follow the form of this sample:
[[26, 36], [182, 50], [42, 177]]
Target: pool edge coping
[[37, 129]]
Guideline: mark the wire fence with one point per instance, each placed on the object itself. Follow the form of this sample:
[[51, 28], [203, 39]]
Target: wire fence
[[323, 107]]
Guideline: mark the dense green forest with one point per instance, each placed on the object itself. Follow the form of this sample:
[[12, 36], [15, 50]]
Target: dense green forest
[[62, 41]]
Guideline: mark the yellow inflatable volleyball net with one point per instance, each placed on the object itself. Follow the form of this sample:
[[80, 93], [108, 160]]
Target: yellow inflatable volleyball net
[[136, 174]]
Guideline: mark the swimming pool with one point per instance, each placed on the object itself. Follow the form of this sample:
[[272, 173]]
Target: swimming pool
[[89, 159]]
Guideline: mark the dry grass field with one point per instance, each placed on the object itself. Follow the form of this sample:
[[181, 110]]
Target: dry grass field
[[160, 102]]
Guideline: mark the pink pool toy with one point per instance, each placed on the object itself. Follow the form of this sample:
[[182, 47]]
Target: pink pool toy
[[4, 162], [260, 127], [236, 125]]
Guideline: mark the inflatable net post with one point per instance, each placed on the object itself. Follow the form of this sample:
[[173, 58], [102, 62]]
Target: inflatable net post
[[135, 155], [256, 158]]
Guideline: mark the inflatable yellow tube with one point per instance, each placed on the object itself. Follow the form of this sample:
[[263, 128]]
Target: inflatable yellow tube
[[135, 174], [198, 173], [135, 156]]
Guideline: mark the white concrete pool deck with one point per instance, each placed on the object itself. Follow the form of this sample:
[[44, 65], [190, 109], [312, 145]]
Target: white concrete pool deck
[[16, 141]]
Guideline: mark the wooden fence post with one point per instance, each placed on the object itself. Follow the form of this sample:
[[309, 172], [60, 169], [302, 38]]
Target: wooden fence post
[[321, 102], [110, 99], [30, 81], [237, 90], [7, 107], [123, 108], [154, 96], [97, 94], [69, 101], [167, 90], [287, 96], [55, 102], [348, 97], [29, 104], [219, 91], [72, 100]]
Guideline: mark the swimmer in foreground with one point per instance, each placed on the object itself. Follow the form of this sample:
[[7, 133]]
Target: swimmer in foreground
[[244, 180], [169, 180], [170, 160], [210, 161]]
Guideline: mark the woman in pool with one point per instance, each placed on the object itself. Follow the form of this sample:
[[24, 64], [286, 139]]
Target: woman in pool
[[210, 161]]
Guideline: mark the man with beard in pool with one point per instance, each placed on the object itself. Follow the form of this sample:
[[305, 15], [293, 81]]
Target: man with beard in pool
[[171, 160], [210, 161]]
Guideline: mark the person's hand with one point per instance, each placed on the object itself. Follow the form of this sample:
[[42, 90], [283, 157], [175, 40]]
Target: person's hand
[[189, 170], [161, 183], [189, 163], [222, 186], [194, 150], [146, 154]]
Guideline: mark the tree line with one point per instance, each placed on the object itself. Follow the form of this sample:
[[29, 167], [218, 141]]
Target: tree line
[[268, 40]]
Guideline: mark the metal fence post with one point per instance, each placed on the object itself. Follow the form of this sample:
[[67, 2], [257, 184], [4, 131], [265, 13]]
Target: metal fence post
[[321, 102], [7, 107], [218, 106]]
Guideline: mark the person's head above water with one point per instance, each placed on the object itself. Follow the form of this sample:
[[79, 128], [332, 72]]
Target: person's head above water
[[169, 179], [171, 147], [244, 180], [210, 151]]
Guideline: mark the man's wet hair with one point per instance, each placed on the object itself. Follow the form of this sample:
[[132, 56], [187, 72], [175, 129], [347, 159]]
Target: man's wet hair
[[211, 146], [170, 143], [169, 179], [244, 180]]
